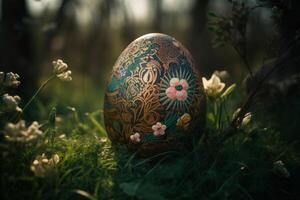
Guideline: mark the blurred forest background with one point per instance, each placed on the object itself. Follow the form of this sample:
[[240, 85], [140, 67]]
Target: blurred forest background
[[89, 35]]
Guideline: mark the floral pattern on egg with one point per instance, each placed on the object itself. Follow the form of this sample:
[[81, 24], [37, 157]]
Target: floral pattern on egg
[[154, 99]]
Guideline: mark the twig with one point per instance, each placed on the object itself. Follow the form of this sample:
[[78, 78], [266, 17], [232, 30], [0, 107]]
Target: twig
[[244, 59], [237, 120]]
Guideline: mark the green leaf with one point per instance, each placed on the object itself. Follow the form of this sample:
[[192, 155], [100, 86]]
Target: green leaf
[[228, 91], [100, 128], [52, 117], [129, 188]]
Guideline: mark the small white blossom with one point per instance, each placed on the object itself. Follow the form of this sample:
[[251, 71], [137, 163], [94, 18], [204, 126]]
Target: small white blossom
[[62, 136], [59, 66], [65, 76], [72, 109], [136, 138], [280, 168], [213, 87], [11, 80], [12, 102], [246, 119], [103, 140], [43, 166], [19, 133], [1, 77], [58, 119], [60, 69]]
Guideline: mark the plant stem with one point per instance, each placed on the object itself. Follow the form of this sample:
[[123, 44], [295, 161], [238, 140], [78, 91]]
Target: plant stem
[[53, 133], [215, 114], [38, 91], [17, 116], [97, 125], [237, 120], [220, 114]]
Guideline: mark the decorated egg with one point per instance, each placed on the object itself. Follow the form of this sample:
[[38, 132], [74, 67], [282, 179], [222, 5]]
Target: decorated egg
[[154, 100]]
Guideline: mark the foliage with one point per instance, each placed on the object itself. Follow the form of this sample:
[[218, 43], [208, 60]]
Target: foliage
[[68, 155], [92, 168], [254, 163]]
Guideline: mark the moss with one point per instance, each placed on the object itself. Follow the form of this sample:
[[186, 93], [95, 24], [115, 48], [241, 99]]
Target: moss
[[90, 167]]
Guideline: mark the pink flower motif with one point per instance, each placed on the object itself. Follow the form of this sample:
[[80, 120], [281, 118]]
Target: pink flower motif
[[171, 93], [184, 84], [136, 138], [178, 89], [174, 82], [181, 95], [159, 129]]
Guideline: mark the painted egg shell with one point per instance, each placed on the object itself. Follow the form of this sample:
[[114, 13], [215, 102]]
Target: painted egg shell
[[154, 100]]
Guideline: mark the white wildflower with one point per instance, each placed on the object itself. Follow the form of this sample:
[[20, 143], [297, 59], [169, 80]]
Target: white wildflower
[[58, 119], [1, 77], [213, 87], [246, 119], [43, 166], [60, 69], [280, 168], [72, 109], [19, 133], [11, 80], [12, 102], [66, 76], [59, 66], [136, 138], [103, 139], [62, 136]]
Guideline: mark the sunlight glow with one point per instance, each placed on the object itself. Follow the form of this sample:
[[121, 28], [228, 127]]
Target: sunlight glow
[[37, 8], [138, 9]]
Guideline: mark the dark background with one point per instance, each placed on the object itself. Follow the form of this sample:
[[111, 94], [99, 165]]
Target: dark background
[[90, 34]]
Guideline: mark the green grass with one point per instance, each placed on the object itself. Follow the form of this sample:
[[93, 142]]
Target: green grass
[[92, 168]]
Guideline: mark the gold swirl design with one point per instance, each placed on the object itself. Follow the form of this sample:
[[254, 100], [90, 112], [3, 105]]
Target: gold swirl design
[[133, 101], [133, 50], [134, 85], [150, 72]]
